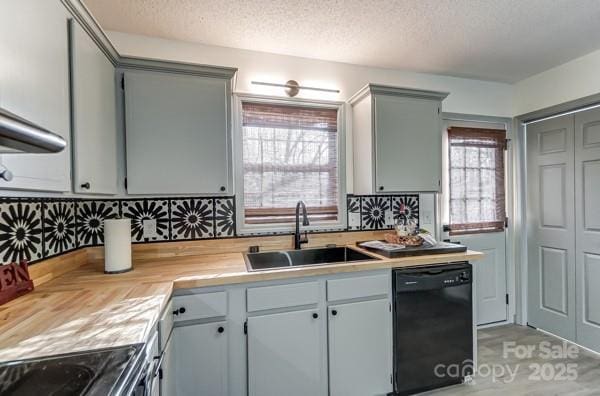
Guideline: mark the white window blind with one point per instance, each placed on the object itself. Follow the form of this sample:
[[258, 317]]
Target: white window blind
[[476, 165], [289, 154]]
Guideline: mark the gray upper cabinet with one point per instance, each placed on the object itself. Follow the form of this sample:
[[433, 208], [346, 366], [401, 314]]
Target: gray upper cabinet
[[178, 133], [34, 84], [94, 116], [397, 138]]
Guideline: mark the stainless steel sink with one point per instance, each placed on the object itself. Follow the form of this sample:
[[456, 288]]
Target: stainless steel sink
[[296, 258]]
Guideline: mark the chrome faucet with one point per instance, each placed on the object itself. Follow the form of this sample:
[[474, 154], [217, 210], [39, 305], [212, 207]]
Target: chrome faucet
[[298, 238]]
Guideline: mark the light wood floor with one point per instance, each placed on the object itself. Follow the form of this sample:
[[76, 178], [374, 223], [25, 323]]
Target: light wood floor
[[491, 353]]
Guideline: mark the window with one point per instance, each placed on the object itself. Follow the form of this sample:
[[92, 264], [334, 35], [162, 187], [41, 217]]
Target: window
[[476, 166], [289, 153]]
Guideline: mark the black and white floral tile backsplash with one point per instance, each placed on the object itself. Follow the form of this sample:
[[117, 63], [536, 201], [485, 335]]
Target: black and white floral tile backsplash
[[21, 231], [192, 218], [37, 228], [33, 229], [379, 212], [90, 220], [147, 209]]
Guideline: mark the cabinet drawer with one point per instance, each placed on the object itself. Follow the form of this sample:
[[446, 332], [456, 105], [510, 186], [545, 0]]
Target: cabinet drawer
[[200, 306], [282, 296], [165, 325], [357, 287]]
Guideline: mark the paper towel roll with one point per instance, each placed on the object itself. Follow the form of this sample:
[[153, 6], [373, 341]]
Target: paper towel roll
[[117, 245]]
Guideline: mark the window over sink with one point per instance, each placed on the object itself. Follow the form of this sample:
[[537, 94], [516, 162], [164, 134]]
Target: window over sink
[[289, 150]]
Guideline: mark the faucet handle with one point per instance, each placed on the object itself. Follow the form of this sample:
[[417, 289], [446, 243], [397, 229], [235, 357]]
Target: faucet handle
[[304, 237]]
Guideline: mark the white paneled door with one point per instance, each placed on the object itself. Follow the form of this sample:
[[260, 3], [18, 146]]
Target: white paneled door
[[587, 221], [490, 275], [474, 200], [551, 226]]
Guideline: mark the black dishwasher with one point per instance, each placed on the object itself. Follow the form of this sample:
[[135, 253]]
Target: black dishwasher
[[433, 327]]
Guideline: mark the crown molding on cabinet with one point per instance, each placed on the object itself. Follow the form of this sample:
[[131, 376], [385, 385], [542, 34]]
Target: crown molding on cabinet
[[147, 64], [87, 21], [391, 90]]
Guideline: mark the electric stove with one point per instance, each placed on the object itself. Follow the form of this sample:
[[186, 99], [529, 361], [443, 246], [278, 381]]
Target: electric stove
[[99, 372]]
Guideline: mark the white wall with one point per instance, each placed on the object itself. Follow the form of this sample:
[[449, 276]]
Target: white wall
[[573, 80], [466, 96]]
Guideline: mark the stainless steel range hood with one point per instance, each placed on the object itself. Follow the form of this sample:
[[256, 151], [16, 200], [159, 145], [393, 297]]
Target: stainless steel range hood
[[18, 135]]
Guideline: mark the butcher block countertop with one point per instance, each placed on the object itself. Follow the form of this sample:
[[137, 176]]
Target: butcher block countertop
[[85, 309]]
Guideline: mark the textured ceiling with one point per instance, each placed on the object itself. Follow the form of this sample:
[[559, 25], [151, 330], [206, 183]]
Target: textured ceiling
[[502, 40]]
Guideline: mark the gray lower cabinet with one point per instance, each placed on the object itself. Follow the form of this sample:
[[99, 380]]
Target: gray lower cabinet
[[34, 84], [201, 359], [397, 136], [360, 348], [315, 336], [178, 133], [285, 354], [94, 116]]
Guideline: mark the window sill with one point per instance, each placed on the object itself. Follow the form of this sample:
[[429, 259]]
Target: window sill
[[273, 229]]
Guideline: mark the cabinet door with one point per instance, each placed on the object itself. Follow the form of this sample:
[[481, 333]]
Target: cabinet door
[[167, 381], [285, 354], [177, 134], [408, 144], [360, 348], [94, 116], [34, 84], [201, 359]]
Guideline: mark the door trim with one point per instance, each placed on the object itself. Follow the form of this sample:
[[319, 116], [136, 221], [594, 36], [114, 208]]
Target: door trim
[[511, 200]]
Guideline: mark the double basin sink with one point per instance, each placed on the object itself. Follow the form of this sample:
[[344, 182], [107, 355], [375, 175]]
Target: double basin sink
[[296, 258]]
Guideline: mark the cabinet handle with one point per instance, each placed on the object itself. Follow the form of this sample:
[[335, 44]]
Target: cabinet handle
[[86, 185], [221, 329], [179, 311], [223, 188], [315, 315], [380, 188], [334, 312]]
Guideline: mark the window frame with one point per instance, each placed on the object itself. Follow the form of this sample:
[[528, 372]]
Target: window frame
[[486, 226], [274, 228]]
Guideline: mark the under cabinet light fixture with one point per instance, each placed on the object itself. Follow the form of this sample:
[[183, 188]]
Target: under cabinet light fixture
[[292, 87]]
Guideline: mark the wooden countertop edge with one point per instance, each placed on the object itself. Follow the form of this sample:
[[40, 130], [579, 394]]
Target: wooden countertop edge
[[189, 282]]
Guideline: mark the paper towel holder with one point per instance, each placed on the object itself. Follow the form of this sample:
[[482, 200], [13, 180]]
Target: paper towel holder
[[117, 246]]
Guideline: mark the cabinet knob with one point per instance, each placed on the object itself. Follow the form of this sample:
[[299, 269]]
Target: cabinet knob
[[381, 188], [222, 188], [315, 315], [86, 185], [179, 311], [221, 329], [6, 174], [334, 312]]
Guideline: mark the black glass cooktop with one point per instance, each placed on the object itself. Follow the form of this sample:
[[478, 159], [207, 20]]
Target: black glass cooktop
[[100, 372]]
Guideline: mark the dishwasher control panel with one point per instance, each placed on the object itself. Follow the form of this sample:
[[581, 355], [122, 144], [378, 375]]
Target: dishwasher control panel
[[433, 277]]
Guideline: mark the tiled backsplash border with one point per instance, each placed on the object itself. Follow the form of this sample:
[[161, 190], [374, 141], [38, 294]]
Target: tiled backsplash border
[[34, 229]]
